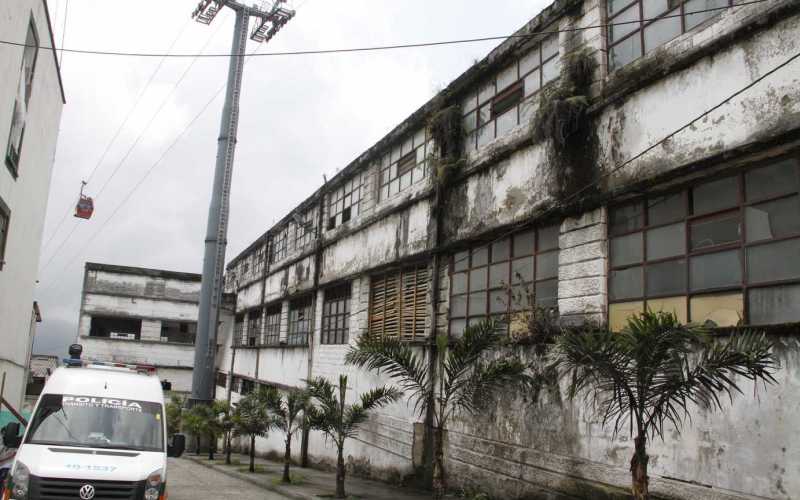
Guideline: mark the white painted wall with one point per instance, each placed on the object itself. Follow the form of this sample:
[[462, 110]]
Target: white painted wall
[[26, 196]]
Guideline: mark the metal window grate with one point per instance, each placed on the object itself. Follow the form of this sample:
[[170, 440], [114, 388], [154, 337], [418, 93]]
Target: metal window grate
[[336, 315]]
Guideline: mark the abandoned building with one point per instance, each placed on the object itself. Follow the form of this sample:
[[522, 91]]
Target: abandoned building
[[141, 316], [613, 155]]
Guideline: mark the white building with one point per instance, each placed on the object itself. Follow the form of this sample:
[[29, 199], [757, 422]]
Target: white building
[[141, 316], [642, 206], [31, 100]]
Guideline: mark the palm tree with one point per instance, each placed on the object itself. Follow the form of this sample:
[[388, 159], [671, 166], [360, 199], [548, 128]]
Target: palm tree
[[174, 411], [654, 371], [203, 421], [288, 411], [192, 423], [252, 418], [224, 412], [339, 421], [466, 382]]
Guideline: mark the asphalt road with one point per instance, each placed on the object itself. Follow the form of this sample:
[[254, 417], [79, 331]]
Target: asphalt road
[[190, 481]]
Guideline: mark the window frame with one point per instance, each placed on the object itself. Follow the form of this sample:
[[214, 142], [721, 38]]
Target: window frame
[[336, 310], [642, 25], [346, 198], [13, 156], [279, 245], [303, 236], [239, 331], [390, 179], [5, 229], [295, 335], [398, 305], [741, 246], [510, 284], [271, 333]]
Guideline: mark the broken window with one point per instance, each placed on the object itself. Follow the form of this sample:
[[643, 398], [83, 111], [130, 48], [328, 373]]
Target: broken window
[[116, 328], [505, 101], [279, 245], [5, 219], [221, 379], [636, 28], [405, 164], [304, 228], [253, 328], [344, 202], [508, 276], [336, 315], [272, 325], [398, 302], [247, 386], [22, 98], [180, 332], [702, 253], [239, 336], [300, 324]]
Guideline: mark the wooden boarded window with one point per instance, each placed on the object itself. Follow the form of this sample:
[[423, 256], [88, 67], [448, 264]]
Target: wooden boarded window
[[398, 303]]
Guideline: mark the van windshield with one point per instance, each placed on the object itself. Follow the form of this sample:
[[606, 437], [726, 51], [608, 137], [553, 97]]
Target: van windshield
[[97, 422]]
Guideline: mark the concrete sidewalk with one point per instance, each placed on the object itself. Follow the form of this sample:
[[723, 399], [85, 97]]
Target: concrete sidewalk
[[313, 485]]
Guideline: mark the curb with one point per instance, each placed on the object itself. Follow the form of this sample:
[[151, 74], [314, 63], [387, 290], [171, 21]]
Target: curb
[[238, 475]]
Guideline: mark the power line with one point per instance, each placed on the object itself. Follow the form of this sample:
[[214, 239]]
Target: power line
[[635, 157], [63, 34], [122, 125], [397, 46]]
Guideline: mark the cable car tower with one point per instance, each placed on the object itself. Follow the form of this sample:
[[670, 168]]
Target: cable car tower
[[268, 22]]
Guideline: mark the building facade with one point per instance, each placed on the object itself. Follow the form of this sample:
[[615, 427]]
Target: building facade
[[612, 156], [141, 316], [31, 101]]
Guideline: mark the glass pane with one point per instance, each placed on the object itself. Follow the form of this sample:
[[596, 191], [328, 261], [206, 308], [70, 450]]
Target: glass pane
[[617, 30], [548, 237], [717, 310], [457, 327], [486, 92], [667, 241], [458, 306], [693, 20], [470, 121], [477, 279], [666, 209], [507, 77], [551, 70], [547, 265], [774, 180], [717, 231], [626, 283], [480, 256], [666, 278], [529, 61], [625, 52], [498, 301], [501, 250], [773, 219], [507, 121], [626, 218], [477, 303], [485, 114], [522, 270], [662, 31], [674, 305], [715, 270], [618, 314], [469, 103], [549, 47], [524, 243], [626, 249], [714, 196], [532, 83], [461, 261], [773, 262], [458, 283], [774, 305], [616, 5], [654, 8], [498, 275], [485, 134], [546, 293]]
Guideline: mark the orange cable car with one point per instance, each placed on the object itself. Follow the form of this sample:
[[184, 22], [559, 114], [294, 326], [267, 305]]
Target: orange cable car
[[85, 206]]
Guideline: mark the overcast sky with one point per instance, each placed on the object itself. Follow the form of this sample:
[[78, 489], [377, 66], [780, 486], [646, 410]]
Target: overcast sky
[[301, 117]]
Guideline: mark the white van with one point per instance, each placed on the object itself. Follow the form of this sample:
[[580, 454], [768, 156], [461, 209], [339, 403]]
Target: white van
[[98, 432]]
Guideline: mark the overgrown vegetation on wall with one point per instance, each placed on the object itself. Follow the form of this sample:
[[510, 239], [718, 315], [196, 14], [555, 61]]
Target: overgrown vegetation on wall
[[447, 129], [563, 122]]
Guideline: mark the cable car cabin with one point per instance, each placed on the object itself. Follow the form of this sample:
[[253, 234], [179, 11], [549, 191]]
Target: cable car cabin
[[84, 208]]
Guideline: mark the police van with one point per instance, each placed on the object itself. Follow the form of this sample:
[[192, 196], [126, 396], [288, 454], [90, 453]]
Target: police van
[[97, 432]]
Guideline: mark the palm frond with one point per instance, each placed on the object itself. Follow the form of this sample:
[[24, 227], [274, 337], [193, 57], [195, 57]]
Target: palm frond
[[484, 383], [464, 352]]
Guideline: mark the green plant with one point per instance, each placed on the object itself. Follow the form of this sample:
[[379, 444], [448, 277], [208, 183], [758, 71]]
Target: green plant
[[339, 421], [290, 412], [204, 421], [466, 381], [252, 418], [652, 372], [174, 412], [447, 129], [224, 412], [192, 423]]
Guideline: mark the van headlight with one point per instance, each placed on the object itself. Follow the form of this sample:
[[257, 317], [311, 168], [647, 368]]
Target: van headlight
[[20, 481], [154, 485]]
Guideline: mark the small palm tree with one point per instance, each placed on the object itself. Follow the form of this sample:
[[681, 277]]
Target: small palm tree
[[467, 382], [339, 421], [652, 372], [252, 418], [192, 423], [203, 420], [174, 411], [290, 412], [224, 416]]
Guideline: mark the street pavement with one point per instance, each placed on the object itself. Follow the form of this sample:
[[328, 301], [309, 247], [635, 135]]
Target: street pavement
[[187, 480]]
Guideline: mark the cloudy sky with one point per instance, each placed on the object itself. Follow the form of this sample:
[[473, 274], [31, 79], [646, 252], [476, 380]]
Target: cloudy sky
[[301, 117]]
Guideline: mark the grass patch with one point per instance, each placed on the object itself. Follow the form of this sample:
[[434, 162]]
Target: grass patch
[[222, 462], [259, 470], [294, 479]]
